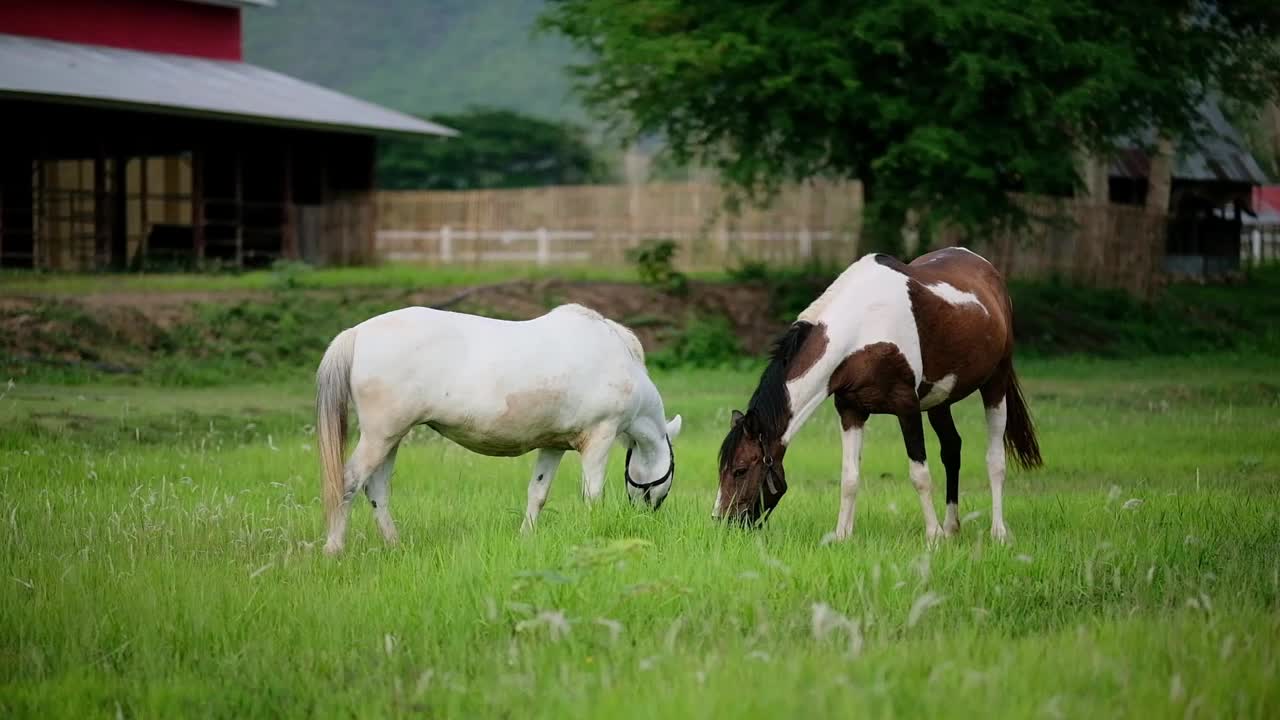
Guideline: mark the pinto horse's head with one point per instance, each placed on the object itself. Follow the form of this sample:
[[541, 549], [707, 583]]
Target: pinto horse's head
[[650, 474], [752, 480]]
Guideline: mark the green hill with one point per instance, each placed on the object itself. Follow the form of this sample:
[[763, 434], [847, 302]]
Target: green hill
[[419, 57]]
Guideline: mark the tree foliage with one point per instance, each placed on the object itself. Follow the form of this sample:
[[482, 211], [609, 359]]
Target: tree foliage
[[496, 149], [944, 105]]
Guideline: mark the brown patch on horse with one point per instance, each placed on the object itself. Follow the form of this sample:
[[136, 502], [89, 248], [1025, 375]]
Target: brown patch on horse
[[814, 347], [851, 416], [963, 340], [875, 379]]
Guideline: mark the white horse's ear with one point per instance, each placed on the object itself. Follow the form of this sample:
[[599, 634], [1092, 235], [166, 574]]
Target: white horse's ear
[[737, 418], [673, 427]]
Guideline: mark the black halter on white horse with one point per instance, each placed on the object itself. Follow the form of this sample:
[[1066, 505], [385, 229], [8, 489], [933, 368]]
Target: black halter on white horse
[[646, 488]]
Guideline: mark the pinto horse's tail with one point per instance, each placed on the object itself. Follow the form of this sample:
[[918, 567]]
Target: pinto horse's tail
[[333, 394], [1020, 431]]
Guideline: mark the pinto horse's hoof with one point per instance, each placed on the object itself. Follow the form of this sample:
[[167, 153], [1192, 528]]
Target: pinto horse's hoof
[[1000, 534]]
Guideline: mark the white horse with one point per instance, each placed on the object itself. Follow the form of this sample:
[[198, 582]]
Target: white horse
[[568, 380]]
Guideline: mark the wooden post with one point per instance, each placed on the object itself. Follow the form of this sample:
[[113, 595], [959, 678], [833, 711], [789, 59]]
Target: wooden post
[[1160, 177], [143, 210], [544, 247], [197, 205], [119, 212], [446, 244], [101, 223], [238, 199], [288, 227]]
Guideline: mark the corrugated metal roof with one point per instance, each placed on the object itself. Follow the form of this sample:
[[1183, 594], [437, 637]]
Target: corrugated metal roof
[[1217, 154], [69, 72]]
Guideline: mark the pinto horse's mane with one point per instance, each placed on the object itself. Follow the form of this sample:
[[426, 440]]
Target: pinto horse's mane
[[769, 410]]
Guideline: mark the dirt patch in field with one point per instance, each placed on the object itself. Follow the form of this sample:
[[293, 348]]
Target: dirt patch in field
[[125, 331]]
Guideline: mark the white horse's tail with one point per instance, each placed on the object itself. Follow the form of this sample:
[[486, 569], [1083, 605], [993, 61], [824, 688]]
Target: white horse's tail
[[333, 394]]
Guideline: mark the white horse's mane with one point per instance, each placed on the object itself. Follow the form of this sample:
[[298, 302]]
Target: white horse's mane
[[624, 333]]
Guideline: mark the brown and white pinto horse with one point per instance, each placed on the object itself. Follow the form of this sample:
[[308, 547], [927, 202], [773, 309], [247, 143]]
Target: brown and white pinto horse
[[887, 338]]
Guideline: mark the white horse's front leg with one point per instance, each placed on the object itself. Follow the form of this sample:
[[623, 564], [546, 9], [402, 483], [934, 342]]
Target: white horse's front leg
[[544, 471], [595, 458]]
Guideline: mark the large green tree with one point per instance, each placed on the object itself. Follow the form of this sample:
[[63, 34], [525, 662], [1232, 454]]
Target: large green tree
[[941, 105], [495, 149]]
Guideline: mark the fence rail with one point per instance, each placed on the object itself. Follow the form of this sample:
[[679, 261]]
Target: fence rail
[[1104, 245], [597, 224]]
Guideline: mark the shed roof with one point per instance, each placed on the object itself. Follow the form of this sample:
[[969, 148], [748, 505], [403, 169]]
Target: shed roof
[[1216, 154], [55, 71]]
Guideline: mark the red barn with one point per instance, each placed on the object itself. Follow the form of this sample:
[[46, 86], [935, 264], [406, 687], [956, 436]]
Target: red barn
[[135, 136]]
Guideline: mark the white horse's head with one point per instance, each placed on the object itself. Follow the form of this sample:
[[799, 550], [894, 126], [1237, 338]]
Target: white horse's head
[[651, 470]]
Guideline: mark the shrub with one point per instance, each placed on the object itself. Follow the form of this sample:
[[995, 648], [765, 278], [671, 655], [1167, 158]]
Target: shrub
[[706, 341], [654, 264], [288, 274]]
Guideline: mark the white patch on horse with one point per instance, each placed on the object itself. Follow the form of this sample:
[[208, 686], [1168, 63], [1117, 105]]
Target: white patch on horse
[[965, 249], [923, 483], [852, 323], [951, 525], [955, 296], [997, 421], [940, 391]]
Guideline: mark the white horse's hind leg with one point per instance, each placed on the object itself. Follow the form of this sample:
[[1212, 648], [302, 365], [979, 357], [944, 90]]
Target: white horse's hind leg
[[544, 471], [367, 458], [379, 491], [996, 416]]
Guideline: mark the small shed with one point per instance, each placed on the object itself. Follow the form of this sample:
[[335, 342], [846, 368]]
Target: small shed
[[135, 136], [1212, 190]]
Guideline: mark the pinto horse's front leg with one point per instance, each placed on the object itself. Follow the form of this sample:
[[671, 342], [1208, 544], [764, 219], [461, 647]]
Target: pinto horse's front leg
[[851, 422], [913, 434], [544, 471], [949, 439]]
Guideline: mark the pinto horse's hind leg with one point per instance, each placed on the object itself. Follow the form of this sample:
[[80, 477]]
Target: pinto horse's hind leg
[[378, 489], [949, 439], [996, 420], [368, 457], [913, 434], [544, 471]]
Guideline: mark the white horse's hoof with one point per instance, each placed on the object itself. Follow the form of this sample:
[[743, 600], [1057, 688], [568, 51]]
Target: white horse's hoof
[[839, 535], [933, 535], [332, 548]]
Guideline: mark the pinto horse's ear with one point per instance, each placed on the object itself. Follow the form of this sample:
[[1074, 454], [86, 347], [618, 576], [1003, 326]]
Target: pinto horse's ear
[[737, 419], [673, 427]]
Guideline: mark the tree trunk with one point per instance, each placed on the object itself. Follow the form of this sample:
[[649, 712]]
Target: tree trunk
[[1160, 179], [1094, 171], [1271, 133]]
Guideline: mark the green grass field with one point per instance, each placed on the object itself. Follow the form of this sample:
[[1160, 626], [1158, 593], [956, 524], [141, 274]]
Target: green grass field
[[160, 559]]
